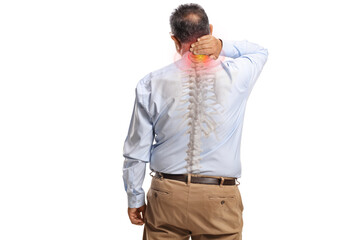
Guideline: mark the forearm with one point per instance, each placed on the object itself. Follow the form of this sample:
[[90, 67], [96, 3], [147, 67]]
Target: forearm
[[133, 177], [236, 49]]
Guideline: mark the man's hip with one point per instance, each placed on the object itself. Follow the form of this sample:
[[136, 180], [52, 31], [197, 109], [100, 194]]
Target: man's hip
[[177, 209]]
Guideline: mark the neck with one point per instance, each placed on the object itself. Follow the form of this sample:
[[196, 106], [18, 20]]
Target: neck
[[185, 47], [185, 51]]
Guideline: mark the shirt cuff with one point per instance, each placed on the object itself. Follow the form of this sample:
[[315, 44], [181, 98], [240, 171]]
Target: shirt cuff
[[136, 201]]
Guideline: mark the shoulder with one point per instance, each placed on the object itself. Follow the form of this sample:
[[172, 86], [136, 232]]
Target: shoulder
[[160, 73], [144, 82]]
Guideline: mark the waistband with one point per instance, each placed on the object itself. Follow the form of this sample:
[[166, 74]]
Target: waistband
[[197, 178]]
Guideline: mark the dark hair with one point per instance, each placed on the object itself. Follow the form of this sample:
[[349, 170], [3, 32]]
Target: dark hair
[[189, 22]]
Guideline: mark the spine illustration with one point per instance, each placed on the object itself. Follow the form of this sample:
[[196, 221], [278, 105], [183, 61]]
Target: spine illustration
[[200, 102]]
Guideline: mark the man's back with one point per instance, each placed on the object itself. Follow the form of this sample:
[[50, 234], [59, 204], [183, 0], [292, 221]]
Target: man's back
[[194, 109]]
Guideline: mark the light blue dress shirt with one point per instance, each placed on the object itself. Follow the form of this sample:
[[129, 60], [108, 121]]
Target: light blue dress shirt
[[194, 110]]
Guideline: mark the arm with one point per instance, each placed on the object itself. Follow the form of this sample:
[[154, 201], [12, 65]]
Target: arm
[[236, 49], [137, 150], [246, 55]]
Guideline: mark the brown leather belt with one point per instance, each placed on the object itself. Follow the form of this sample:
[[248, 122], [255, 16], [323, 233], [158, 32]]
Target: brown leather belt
[[198, 178]]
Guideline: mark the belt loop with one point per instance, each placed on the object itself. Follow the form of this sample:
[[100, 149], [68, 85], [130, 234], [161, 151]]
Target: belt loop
[[161, 176], [222, 181], [189, 178], [152, 171]]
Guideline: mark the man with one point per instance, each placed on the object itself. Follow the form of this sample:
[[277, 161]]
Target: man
[[194, 109]]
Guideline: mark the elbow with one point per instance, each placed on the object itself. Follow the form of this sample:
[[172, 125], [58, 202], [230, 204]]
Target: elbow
[[266, 53]]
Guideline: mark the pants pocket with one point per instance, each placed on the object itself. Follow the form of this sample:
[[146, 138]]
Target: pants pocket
[[223, 214], [223, 205], [159, 205]]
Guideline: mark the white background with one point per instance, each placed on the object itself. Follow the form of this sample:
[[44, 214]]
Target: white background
[[68, 73]]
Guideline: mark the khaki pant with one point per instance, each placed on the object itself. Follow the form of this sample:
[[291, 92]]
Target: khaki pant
[[177, 210]]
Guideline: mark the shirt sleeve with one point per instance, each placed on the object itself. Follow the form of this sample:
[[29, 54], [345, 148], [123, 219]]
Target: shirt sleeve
[[138, 144], [246, 56]]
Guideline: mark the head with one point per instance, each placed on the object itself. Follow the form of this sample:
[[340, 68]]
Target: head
[[188, 22]]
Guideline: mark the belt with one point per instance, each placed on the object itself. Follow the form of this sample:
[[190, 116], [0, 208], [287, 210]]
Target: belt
[[198, 178]]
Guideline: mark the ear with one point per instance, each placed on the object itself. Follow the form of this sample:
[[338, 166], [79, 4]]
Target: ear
[[177, 43], [211, 28]]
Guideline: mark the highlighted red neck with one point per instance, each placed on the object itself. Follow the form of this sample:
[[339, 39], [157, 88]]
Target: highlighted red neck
[[198, 58]]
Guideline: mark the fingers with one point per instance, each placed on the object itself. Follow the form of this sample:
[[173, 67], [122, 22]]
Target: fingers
[[205, 37], [196, 50], [136, 220], [205, 45], [207, 51], [135, 216], [202, 44], [202, 49], [203, 40]]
